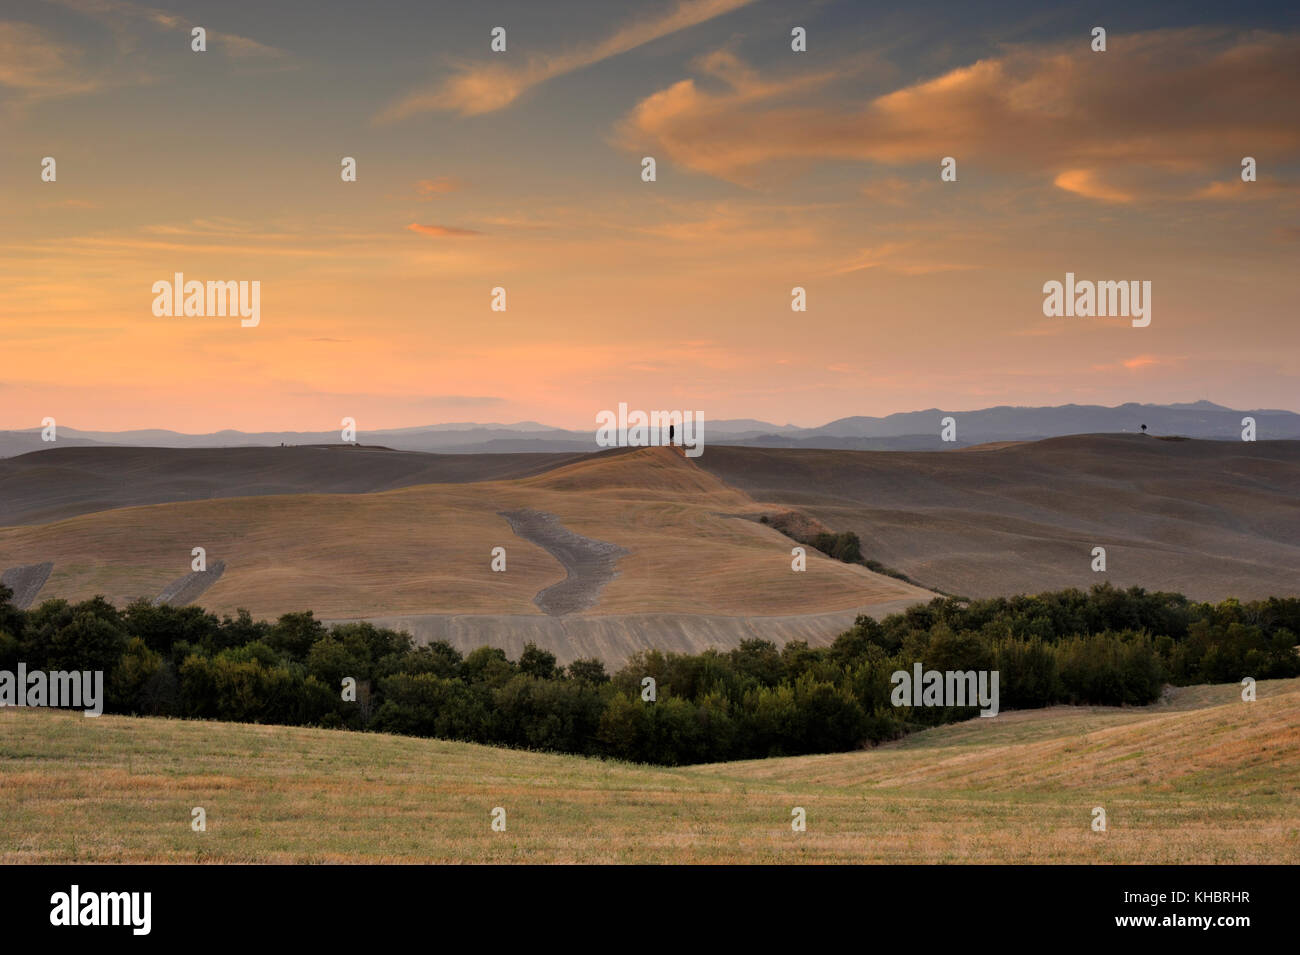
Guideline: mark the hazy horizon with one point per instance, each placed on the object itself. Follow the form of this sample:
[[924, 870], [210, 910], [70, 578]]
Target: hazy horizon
[[534, 424]]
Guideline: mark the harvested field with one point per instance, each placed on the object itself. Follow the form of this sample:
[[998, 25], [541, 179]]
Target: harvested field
[[612, 638], [63, 482], [1203, 778], [1210, 519]]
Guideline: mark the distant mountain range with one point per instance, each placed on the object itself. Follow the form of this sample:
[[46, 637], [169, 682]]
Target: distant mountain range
[[906, 431]]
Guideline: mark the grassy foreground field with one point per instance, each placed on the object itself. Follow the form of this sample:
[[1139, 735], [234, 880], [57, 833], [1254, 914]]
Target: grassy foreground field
[[1199, 778]]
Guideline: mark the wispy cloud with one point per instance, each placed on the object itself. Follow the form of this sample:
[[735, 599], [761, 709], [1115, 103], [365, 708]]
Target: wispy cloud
[[1139, 362], [894, 190], [903, 258], [427, 189], [441, 231], [115, 13], [486, 87], [34, 66], [71, 204], [1237, 190], [1151, 118], [407, 400]]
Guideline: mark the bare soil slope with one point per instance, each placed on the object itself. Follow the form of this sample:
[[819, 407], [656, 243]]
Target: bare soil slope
[[63, 482], [613, 637], [1210, 519]]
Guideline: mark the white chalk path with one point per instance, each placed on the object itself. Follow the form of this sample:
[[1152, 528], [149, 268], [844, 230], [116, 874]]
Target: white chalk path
[[184, 591], [26, 582], [589, 563]]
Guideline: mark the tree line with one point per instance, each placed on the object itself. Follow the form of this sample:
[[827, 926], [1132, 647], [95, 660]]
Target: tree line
[[1104, 647]]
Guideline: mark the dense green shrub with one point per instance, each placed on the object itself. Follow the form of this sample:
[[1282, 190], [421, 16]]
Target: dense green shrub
[[1101, 647]]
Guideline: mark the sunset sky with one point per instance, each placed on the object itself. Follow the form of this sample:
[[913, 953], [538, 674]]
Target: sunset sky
[[522, 169]]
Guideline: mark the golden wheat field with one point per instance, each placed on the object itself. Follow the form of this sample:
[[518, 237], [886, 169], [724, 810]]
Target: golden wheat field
[[1199, 778]]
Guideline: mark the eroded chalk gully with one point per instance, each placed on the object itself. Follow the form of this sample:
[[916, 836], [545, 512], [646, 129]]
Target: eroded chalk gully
[[588, 562]]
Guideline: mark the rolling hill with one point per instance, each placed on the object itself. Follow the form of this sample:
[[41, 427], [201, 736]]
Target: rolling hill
[[1206, 518], [62, 482], [420, 557], [406, 539]]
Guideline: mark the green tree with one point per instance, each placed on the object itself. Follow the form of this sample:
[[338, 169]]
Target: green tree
[[589, 671], [294, 634], [537, 663]]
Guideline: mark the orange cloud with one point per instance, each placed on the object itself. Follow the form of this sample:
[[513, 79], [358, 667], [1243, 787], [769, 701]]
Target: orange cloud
[[1138, 362], [440, 231], [900, 257], [478, 88], [1085, 182], [1238, 190], [1088, 121], [114, 12], [893, 190], [429, 188], [36, 65]]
